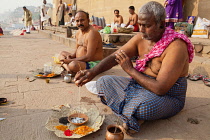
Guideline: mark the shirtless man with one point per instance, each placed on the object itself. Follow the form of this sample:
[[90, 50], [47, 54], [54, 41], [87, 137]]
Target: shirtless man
[[133, 19], [158, 85], [118, 19], [88, 51]]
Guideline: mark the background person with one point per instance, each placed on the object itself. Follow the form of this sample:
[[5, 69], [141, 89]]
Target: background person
[[173, 12], [133, 19], [60, 13], [118, 19], [44, 15], [27, 19]]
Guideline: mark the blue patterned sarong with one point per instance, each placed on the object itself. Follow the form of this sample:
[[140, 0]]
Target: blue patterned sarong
[[131, 102]]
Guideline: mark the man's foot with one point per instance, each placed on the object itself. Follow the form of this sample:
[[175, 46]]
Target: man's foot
[[27, 32], [126, 130]]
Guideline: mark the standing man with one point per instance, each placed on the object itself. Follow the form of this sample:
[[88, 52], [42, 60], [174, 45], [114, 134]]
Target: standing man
[[28, 19], [118, 18], [173, 12], [44, 15], [60, 13], [133, 19]]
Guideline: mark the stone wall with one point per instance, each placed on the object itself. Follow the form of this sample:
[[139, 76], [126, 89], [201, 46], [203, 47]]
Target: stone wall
[[197, 8], [105, 8]]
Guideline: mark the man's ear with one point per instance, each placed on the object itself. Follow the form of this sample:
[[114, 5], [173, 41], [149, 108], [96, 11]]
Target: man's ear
[[162, 24]]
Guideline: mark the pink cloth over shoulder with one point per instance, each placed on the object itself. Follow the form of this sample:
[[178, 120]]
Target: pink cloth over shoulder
[[168, 36]]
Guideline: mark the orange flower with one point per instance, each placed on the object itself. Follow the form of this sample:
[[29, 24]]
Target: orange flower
[[61, 127], [83, 130]]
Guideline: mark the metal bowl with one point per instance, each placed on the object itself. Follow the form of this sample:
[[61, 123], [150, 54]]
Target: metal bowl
[[80, 115]]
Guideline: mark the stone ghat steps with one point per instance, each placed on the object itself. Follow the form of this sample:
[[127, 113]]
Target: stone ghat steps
[[200, 64]]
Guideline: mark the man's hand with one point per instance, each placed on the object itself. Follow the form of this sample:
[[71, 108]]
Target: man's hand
[[124, 61], [83, 76], [66, 61]]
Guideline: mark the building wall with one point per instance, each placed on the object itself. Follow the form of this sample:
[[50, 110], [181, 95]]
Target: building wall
[[105, 8], [197, 8]]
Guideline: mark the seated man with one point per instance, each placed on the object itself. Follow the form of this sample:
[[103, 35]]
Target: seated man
[[158, 85], [88, 46], [118, 19], [133, 19]]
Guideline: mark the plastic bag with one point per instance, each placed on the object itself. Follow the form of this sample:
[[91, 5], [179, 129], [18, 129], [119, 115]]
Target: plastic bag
[[91, 87], [107, 30], [200, 29]]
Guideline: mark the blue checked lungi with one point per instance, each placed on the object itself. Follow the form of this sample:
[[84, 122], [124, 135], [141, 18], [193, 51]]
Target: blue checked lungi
[[131, 102]]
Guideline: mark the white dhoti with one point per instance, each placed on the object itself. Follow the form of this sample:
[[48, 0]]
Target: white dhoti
[[46, 17]]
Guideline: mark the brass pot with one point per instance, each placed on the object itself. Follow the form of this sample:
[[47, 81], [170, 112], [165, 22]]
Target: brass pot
[[114, 132]]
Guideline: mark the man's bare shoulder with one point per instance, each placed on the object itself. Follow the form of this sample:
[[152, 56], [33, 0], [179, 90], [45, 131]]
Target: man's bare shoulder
[[137, 37], [94, 33], [178, 46], [178, 43]]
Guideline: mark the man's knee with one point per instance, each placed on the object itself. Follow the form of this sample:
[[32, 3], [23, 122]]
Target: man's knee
[[104, 79], [74, 66]]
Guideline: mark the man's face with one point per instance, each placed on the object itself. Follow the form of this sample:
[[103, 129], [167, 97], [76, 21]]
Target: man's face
[[24, 9], [131, 11], [148, 27], [44, 1], [116, 13], [82, 21], [60, 1]]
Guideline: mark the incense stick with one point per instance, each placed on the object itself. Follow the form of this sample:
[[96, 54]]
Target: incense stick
[[116, 124], [79, 102]]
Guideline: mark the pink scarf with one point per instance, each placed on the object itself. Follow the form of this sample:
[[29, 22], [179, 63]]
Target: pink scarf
[[168, 36]]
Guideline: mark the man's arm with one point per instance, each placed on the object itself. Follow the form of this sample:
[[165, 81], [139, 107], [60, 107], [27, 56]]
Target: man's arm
[[128, 22], [57, 9], [121, 20], [135, 19], [43, 12], [115, 20], [130, 48], [172, 66]]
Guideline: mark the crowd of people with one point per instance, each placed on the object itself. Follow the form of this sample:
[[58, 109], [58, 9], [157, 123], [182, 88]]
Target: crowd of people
[[173, 8]]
